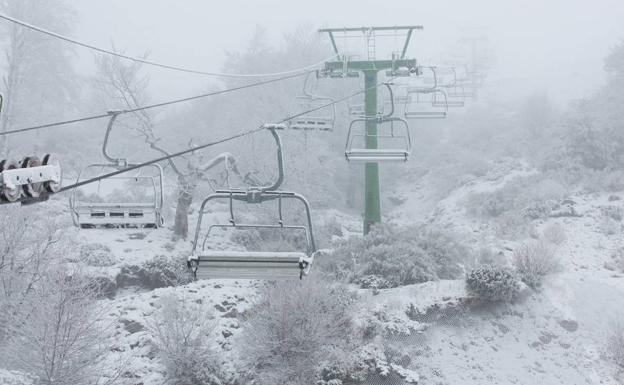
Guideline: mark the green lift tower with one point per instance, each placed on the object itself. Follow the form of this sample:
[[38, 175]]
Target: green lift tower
[[396, 65]]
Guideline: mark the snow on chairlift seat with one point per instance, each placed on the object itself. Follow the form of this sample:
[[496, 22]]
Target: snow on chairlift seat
[[249, 265], [91, 215], [377, 155]]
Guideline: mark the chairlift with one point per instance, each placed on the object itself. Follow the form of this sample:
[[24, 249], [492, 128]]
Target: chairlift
[[357, 107], [392, 134], [426, 104], [206, 263], [31, 180], [455, 91], [97, 211], [322, 115]]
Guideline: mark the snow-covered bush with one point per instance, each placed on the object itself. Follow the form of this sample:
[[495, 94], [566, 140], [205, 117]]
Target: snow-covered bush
[[294, 329], [181, 332], [390, 257], [613, 212], [609, 226], [270, 239], [97, 254], [163, 271], [55, 331], [521, 200], [615, 342], [493, 283], [534, 261], [617, 261], [555, 233]]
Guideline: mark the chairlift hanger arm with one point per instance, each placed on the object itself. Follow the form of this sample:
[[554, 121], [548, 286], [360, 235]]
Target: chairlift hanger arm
[[280, 159], [117, 161]]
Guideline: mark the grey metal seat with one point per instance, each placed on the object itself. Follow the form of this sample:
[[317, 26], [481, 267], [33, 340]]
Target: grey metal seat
[[250, 265], [377, 155]]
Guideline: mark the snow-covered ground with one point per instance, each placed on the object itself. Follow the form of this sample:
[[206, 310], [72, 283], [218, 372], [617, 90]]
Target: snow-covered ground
[[554, 336]]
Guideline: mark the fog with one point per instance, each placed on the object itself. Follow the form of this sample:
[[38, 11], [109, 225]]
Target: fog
[[291, 218], [554, 46]]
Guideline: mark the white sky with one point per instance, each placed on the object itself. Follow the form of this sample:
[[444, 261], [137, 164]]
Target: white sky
[[556, 46]]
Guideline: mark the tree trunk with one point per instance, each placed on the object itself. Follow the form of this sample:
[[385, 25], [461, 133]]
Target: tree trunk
[[185, 198]]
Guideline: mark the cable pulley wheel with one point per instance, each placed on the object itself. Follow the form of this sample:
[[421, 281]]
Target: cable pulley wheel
[[32, 190], [51, 186], [9, 194]]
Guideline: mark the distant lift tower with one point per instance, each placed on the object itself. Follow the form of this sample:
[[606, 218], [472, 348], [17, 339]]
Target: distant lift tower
[[396, 65]]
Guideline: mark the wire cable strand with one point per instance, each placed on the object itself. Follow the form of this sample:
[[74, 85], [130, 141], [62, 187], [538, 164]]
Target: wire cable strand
[[163, 104], [149, 62], [196, 148]]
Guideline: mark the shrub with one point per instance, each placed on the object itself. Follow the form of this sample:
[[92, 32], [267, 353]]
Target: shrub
[[270, 239], [97, 254], [613, 212], [555, 234], [391, 257], [179, 332], [533, 261], [608, 226], [617, 260], [493, 283], [615, 342], [294, 329]]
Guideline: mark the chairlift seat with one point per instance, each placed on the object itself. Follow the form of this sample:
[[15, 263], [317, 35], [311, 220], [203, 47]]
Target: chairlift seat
[[309, 123], [249, 265], [377, 155], [117, 214]]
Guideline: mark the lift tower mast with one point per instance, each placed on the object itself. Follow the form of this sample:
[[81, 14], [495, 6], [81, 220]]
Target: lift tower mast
[[343, 66]]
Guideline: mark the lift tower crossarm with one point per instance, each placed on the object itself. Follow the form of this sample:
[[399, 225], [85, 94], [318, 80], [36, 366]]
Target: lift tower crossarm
[[370, 68], [408, 28]]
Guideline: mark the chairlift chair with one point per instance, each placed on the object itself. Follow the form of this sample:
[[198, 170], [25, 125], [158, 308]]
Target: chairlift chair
[[206, 263], [323, 111], [426, 104], [392, 133], [455, 91], [147, 213]]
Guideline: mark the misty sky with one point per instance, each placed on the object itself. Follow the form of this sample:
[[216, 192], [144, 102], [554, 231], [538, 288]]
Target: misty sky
[[555, 46]]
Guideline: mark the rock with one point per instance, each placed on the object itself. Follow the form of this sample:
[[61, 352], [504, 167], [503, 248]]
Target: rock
[[613, 198], [129, 276], [226, 333], [569, 325], [228, 304], [132, 326], [232, 313], [156, 273], [565, 211], [105, 287], [220, 308]]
